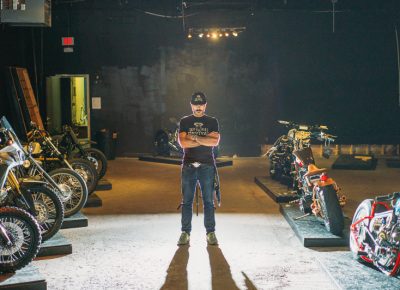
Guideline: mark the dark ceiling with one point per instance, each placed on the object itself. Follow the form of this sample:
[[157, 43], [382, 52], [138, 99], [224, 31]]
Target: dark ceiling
[[176, 5]]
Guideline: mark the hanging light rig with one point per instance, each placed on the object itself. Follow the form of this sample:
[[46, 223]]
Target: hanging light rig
[[215, 33]]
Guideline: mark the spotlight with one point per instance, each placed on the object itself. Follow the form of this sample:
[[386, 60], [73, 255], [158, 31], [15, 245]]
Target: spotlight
[[189, 36], [226, 34], [214, 35], [220, 35], [201, 35], [208, 35], [234, 33]]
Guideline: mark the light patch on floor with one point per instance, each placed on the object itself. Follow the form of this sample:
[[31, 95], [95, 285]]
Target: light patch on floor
[[140, 252]]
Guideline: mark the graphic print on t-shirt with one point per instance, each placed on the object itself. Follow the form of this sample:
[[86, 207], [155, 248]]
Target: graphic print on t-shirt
[[198, 129]]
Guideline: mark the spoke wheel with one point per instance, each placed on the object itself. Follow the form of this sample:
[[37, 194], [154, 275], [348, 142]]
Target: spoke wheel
[[87, 171], [49, 211], [23, 241], [74, 192]]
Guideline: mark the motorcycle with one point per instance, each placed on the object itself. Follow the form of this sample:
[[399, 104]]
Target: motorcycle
[[280, 156], [32, 195], [67, 183], [375, 233], [318, 193], [69, 145], [51, 158], [166, 142], [20, 239], [281, 153]]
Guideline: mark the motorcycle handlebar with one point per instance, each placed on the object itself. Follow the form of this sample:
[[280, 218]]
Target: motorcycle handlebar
[[303, 126], [388, 197]]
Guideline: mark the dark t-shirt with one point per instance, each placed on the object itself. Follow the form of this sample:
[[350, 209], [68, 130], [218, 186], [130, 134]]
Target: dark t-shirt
[[200, 126]]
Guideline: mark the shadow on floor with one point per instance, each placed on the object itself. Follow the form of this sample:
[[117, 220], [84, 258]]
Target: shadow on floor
[[221, 276], [177, 271]]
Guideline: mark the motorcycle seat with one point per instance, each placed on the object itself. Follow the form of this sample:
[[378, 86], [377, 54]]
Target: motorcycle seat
[[314, 170]]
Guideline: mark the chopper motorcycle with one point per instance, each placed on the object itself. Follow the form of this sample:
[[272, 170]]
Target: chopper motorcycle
[[318, 194]]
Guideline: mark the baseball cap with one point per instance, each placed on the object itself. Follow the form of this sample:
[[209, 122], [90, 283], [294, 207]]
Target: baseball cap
[[198, 98]]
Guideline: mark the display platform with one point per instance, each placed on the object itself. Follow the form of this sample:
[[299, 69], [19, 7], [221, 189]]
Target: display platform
[[28, 278], [178, 160], [78, 220], [355, 162], [103, 185], [347, 273], [311, 231], [93, 201], [57, 245], [278, 192], [393, 162]]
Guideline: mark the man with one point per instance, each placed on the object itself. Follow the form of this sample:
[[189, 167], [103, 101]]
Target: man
[[198, 134]]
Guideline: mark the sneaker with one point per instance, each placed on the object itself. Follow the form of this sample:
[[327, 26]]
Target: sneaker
[[212, 239], [184, 239]]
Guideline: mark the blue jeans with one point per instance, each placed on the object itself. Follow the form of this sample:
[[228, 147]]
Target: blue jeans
[[205, 175]]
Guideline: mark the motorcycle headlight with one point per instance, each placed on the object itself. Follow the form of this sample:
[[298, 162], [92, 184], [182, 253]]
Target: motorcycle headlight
[[26, 164]]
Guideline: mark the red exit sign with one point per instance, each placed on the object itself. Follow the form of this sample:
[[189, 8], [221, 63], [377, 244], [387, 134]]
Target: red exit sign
[[67, 41]]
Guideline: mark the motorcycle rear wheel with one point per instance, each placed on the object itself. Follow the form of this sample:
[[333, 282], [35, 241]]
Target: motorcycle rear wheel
[[26, 239], [331, 210]]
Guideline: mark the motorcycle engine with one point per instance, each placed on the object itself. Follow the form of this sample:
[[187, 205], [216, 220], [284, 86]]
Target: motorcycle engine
[[376, 225]]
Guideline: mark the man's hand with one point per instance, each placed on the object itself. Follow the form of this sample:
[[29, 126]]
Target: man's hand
[[211, 140], [192, 137], [187, 140]]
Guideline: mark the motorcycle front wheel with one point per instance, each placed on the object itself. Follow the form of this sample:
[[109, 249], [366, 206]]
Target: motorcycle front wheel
[[274, 170], [87, 171], [74, 192], [331, 210], [161, 145], [359, 232], [20, 239], [49, 210], [98, 159]]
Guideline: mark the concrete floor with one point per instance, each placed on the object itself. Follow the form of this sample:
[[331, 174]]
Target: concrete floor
[[131, 241]]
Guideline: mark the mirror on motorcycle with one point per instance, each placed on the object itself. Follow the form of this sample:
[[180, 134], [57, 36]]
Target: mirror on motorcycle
[[326, 152], [33, 124], [323, 127]]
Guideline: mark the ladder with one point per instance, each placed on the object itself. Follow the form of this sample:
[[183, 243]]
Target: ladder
[[29, 96]]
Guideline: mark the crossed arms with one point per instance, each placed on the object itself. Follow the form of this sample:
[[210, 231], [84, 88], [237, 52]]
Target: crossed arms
[[190, 141]]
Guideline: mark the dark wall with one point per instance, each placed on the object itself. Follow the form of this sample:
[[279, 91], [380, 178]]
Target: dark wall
[[287, 65]]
